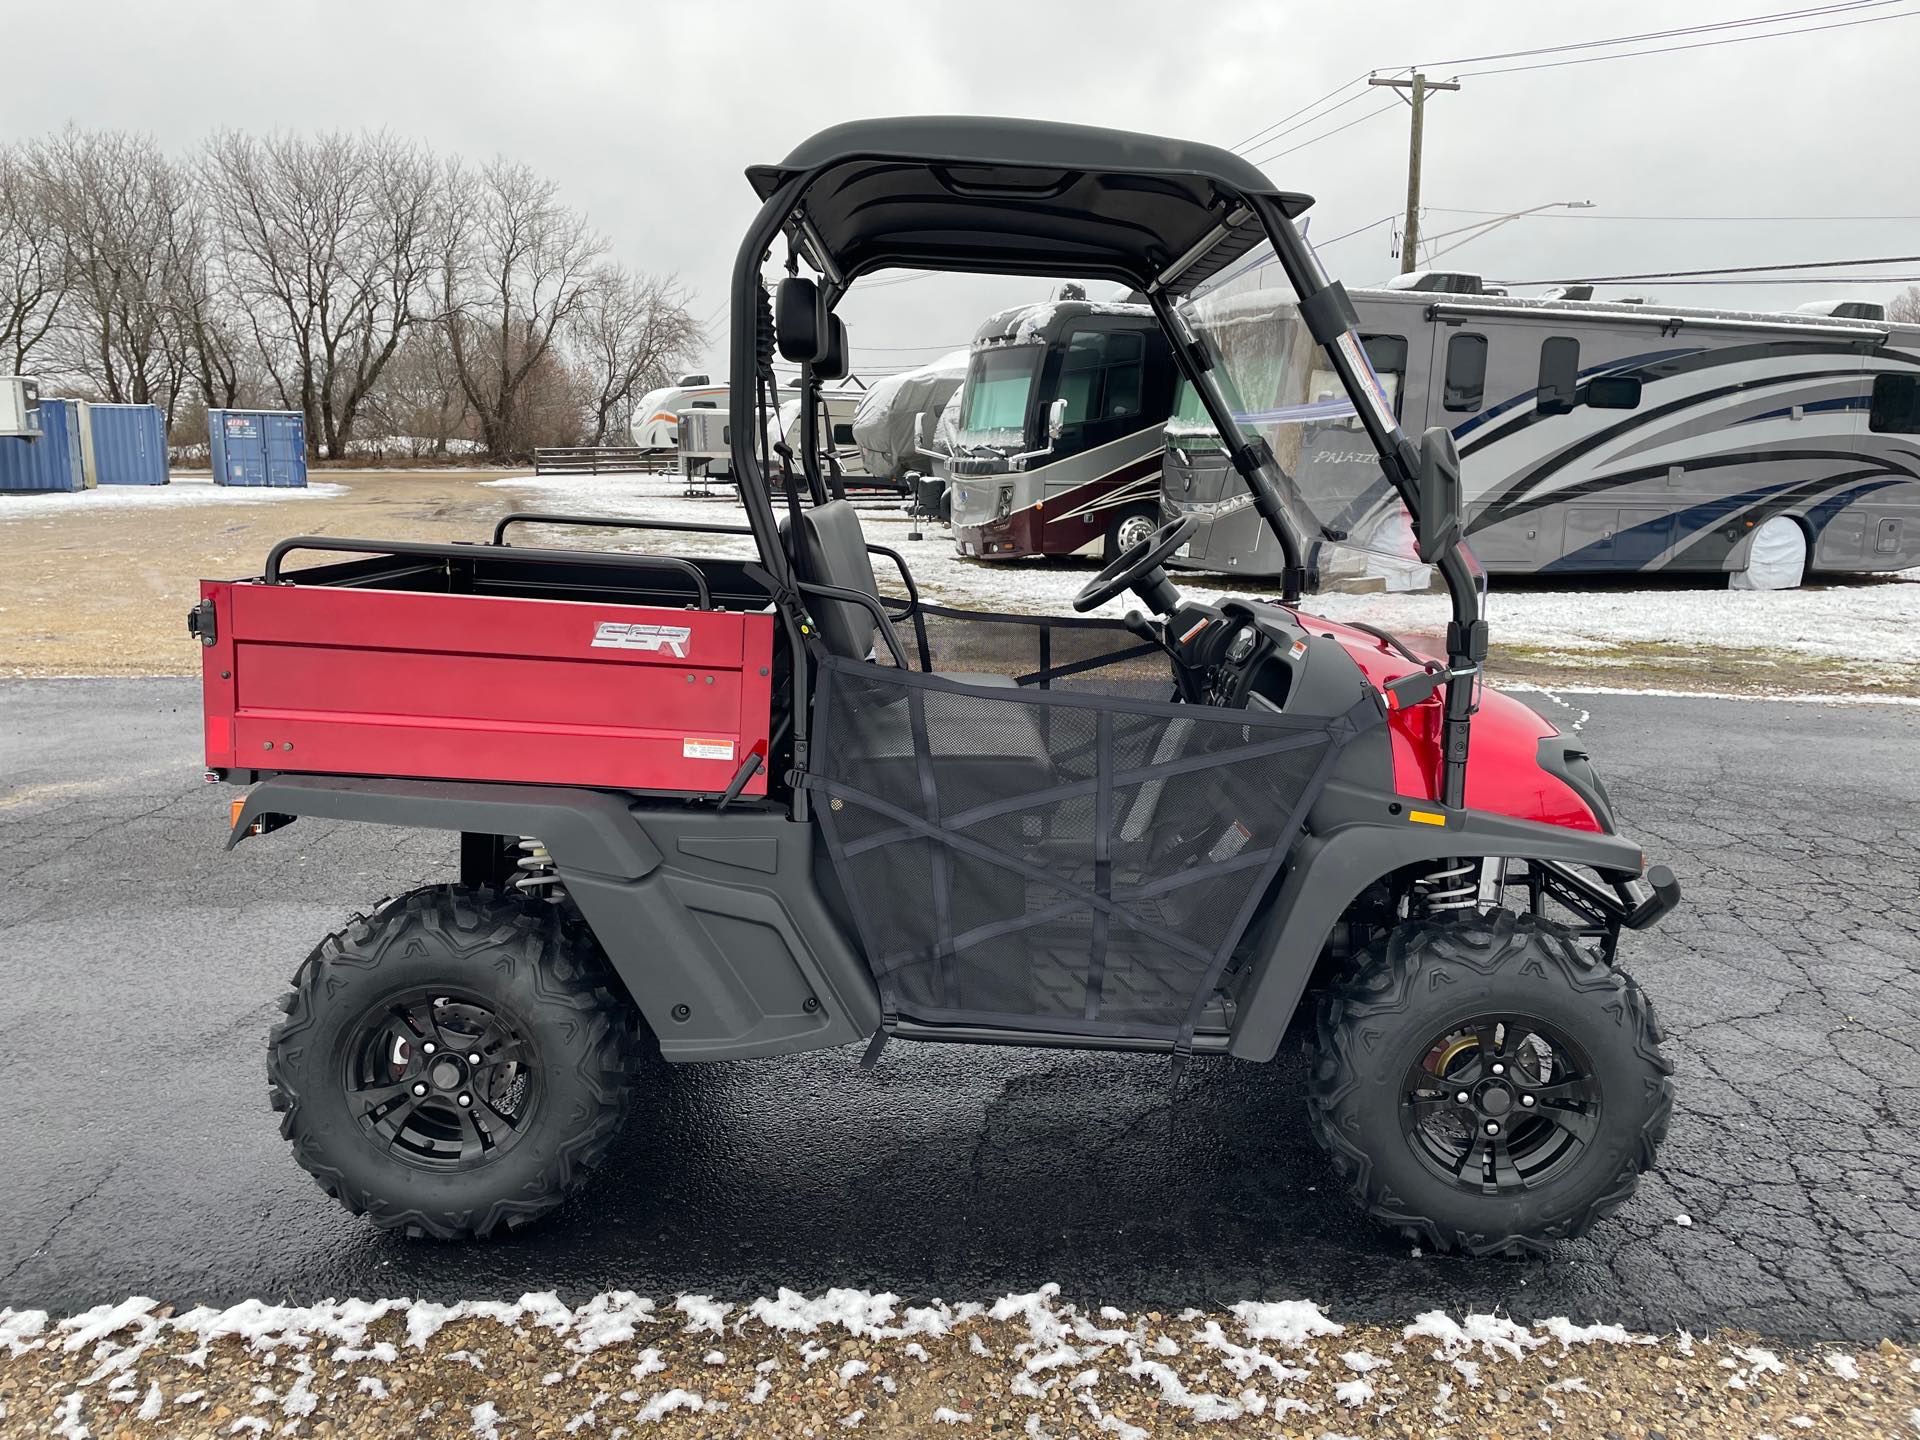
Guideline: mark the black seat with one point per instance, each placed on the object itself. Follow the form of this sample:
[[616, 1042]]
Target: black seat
[[833, 551]]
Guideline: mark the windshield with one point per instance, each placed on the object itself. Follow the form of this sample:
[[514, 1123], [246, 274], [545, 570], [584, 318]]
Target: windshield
[[1281, 386], [993, 400]]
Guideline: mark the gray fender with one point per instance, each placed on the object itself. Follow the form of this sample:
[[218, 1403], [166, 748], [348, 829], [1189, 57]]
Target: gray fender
[[1372, 836], [713, 921]]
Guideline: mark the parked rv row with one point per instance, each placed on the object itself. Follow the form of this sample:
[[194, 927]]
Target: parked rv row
[[49, 444], [1595, 436]]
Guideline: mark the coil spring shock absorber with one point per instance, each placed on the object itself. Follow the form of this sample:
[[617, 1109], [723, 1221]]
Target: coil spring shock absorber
[[1450, 886], [534, 872]]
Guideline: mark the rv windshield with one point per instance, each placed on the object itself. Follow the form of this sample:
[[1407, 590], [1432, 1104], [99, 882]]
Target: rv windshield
[[1280, 386], [993, 399]]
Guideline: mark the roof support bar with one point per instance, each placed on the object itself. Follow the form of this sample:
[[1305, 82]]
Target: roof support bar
[[1200, 247]]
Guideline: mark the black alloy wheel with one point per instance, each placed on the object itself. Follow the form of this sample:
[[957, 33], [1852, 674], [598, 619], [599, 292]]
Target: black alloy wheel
[[442, 1080], [1500, 1104]]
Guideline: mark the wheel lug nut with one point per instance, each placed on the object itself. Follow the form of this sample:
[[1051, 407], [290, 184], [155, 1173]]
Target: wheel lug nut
[[474, 1058], [1492, 1129], [429, 1047], [1526, 1100], [1498, 1068], [1462, 1098], [466, 1100], [420, 1088]]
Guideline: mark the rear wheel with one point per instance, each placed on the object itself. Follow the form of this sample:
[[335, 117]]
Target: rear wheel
[[1130, 528], [453, 1062], [1489, 1084]]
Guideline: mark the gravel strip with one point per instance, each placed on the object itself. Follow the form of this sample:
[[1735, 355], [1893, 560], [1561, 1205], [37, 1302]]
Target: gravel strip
[[850, 1361]]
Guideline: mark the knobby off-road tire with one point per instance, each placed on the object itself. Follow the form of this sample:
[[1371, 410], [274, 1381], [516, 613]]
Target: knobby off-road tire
[[1427, 976], [577, 1041]]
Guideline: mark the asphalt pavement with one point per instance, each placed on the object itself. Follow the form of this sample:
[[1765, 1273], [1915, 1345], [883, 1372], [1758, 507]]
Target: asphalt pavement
[[140, 965]]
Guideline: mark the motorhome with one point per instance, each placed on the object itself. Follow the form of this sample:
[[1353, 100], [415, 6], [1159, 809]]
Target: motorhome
[[1058, 442], [1604, 437]]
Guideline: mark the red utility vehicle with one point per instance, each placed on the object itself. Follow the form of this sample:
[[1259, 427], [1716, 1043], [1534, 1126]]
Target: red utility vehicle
[[713, 808]]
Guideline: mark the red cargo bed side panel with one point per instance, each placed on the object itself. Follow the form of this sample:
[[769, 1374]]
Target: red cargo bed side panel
[[369, 682]]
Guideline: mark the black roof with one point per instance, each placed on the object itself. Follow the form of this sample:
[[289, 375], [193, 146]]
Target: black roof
[[1021, 197]]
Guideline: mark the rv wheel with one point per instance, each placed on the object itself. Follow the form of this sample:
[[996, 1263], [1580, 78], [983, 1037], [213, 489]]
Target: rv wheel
[[1488, 1084], [453, 1062], [1130, 528]]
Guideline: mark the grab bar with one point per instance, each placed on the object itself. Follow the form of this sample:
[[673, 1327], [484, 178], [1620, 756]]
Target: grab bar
[[459, 551]]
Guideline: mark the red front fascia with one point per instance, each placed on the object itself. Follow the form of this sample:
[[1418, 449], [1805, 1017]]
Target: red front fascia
[[332, 681], [1504, 776]]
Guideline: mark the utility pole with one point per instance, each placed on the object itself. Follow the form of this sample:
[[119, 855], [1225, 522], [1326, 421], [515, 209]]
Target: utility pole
[[1418, 85]]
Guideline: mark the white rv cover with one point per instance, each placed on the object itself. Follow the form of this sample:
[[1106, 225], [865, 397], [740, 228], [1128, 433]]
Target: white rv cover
[[887, 425]]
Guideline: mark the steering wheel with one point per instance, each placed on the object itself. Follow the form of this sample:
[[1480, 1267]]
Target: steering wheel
[[1134, 564]]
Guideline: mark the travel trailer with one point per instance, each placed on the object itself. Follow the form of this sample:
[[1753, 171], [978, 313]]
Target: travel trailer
[[656, 419], [706, 440], [1602, 437], [1057, 447]]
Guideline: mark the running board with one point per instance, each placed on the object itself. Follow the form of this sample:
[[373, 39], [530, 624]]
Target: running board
[[1205, 1042]]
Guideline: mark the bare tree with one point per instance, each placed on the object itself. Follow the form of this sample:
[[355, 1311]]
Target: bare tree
[[328, 253], [418, 400], [516, 268], [631, 332], [116, 203], [33, 272], [1905, 307]]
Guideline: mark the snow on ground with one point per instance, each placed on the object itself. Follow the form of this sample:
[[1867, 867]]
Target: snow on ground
[[183, 490], [1033, 1364], [1873, 621]]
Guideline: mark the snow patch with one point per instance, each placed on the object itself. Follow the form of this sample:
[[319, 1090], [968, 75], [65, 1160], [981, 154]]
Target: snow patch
[[703, 1312], [666, 1403], [1285, 1322]]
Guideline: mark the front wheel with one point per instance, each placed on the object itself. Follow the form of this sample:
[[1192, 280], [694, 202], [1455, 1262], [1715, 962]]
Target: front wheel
[[1488, 1084], [454, 1062]]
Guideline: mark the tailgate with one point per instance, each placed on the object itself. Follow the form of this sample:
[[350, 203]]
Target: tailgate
[[334, 681]]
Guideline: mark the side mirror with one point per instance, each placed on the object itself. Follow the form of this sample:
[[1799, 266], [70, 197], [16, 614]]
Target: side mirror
[[1613, 392], [1057, 419], [832, 365], [1442, 513], [800, 321]]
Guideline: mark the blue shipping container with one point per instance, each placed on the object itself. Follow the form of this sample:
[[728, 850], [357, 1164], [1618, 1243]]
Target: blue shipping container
[[53, 461], [129, 444], [257, 447]]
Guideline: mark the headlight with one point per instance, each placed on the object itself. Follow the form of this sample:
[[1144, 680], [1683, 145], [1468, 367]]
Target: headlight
[[1003, 507]]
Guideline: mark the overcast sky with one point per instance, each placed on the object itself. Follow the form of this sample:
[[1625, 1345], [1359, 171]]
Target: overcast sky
[[646, 115]]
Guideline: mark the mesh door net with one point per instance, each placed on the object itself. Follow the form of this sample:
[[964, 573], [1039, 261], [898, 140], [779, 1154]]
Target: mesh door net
[[1052, 860]]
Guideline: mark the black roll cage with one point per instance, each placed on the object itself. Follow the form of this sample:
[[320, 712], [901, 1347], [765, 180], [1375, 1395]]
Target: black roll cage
[[1323, 305]]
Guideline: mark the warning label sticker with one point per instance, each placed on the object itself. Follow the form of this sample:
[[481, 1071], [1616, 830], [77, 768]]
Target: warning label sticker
[[691, 749]]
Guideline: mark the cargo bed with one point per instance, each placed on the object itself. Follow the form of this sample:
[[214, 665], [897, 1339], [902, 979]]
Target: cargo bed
[[490, 662]]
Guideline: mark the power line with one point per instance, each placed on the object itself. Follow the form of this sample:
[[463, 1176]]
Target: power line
[[1737, 23], [1326, 134], [1349, 234], [1594, 215], [1261, 133], [1725, 270], [1757, 280], [1698, 45], [1314, 119]]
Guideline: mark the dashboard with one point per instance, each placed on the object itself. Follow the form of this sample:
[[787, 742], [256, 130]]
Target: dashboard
[[1236, 655]]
